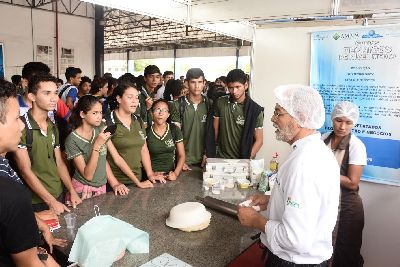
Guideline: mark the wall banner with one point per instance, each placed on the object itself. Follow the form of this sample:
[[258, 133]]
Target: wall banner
[[363, 66]]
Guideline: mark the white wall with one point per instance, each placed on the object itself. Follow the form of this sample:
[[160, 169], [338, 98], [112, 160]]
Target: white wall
[[282, 56], [16, 34]]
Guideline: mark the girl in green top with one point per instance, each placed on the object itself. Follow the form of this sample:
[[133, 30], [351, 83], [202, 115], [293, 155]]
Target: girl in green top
[[86, 147], [129, 139], [164, 140]]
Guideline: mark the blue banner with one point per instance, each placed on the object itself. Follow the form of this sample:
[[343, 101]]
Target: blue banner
[[363, 66]]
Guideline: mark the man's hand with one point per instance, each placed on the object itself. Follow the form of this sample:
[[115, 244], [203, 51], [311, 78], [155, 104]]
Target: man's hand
[[57, 207], [149, 102], [75, 199], [51, 241], [48, 237], [251, 218], [259, 200]]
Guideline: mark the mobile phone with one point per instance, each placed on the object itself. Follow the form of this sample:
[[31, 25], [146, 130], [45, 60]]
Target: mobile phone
[[111, 129]]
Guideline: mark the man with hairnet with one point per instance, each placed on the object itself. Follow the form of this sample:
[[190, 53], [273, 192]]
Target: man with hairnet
[[296, 228]]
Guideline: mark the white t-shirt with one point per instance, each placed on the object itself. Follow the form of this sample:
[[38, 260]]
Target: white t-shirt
[[357, 150], [303, 207]]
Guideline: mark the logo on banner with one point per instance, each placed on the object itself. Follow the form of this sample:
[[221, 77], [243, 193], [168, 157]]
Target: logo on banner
[[345, 36], [371, 34]]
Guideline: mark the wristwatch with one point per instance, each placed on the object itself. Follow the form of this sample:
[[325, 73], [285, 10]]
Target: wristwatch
[[42, 254]]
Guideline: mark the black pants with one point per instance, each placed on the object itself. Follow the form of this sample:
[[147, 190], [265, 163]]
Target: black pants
[[274, 261]]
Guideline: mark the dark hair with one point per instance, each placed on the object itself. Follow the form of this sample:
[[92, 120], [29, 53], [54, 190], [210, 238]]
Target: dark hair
[[112, 82], [60, 81], [215, 91], [151, 69], [127, 77], [167, 72], [236, 75], [31, 69], [97, 84], [174, 88], [71, 72], [85, 79], [194, 73], [85, 104], [107, 75], [16, 79], [159, 101], [222, 79], [119, 91], [7, 90], [33, 86]]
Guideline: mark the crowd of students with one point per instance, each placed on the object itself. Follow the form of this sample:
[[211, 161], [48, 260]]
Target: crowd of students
[[86, 137], [63, 143]]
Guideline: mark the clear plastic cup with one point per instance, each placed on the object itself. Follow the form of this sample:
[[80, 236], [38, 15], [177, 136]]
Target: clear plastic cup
[[70, 220]]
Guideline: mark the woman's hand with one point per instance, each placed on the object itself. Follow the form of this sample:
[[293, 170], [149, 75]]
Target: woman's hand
[[172, 176], [145, 184], [120, 189], [101, 139], [158, 176]]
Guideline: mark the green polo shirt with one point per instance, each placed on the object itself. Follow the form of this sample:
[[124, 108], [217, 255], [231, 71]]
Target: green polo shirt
[[194, 128], [231, 123], [76, 145], [162, 149], [128, 140], [43, 163]]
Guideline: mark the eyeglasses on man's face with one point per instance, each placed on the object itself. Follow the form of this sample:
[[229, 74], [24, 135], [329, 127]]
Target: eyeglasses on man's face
[[278, 114]]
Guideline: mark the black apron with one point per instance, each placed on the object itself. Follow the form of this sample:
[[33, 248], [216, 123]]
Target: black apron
[[347, 240]]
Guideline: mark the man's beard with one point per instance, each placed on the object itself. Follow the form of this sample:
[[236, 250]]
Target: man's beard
[[285, 134]]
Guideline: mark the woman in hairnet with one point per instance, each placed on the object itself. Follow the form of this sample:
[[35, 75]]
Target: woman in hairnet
[[351, 155]]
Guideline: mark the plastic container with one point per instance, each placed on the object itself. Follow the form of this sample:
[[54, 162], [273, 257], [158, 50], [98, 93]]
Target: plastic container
[[274, 164]]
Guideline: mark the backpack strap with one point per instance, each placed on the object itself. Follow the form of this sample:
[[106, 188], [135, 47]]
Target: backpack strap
[[63, 90], [182, 107], [29, 135]]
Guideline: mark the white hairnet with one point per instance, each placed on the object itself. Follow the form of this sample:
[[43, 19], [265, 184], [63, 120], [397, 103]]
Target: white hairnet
[[346, 109], [303, 103]]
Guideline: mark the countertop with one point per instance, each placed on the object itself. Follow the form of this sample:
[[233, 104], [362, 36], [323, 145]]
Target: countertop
[[147, 209]]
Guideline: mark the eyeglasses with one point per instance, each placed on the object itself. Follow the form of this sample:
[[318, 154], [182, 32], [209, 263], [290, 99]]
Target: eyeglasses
[[278, 114], [161, 110]]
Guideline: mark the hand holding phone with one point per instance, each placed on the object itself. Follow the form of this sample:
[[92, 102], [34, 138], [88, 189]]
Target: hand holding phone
[[110, 129]]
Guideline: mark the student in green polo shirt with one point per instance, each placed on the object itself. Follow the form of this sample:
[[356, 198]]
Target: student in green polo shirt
[[86, 147], [152, 78], [238, 120], [165, 142], [129, 140], [47, 172], [190, 114]]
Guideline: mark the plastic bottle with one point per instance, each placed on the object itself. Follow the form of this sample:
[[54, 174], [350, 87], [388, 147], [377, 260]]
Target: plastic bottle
[[274, 164]]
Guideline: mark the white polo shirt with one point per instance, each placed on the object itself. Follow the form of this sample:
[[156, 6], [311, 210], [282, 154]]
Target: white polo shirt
[[303, 207]]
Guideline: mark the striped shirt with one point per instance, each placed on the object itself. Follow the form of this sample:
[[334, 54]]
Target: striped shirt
[[7, 171]]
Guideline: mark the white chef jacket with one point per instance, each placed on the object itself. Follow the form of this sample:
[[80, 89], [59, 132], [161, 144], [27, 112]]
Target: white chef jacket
[[303, 207]]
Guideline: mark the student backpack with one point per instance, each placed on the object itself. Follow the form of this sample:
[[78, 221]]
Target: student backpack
[[29, 142]]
